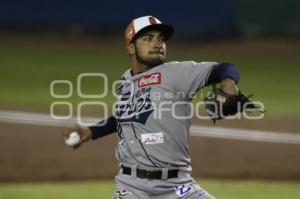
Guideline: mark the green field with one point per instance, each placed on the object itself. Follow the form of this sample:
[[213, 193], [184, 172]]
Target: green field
[[28, 68], [222, 189]]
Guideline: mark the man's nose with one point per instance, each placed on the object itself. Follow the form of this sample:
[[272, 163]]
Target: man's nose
[[157, 44]]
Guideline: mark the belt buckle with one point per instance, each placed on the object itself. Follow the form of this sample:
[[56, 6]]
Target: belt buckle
[[149, 174], [155, 174]]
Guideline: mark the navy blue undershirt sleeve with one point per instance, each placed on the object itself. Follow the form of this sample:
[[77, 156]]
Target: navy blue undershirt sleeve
[[222, 71], [104, 127]]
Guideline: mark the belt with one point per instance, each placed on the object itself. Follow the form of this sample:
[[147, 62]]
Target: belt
[[155, 174]]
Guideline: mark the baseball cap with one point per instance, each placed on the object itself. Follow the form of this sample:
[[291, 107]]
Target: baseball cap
[[144, 24]]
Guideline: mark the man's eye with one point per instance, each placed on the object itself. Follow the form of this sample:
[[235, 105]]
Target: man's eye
[[147, 38], [162, 39]]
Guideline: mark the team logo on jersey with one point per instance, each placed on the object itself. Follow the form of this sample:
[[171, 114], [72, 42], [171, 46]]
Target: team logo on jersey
[[121, 193], [183, 190], [148, 80]]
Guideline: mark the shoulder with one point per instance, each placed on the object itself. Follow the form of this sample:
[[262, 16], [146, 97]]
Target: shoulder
[[126, 75], [183, 65], [178, 63], [188, 63]]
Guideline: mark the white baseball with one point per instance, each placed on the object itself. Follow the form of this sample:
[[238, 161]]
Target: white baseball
[[73, 139]]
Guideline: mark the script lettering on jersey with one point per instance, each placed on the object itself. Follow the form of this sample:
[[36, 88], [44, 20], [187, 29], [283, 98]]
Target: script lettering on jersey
[[142, 91], [138, 111], [148, 80]]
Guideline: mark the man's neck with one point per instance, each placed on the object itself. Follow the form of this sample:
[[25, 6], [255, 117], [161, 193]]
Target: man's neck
[[138, 68]]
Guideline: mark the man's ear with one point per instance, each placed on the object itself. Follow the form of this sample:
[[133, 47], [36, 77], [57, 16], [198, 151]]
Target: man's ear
[[130, 49]]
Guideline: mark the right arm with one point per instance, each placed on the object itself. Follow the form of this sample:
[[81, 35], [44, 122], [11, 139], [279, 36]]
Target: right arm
[[104, 127], [101, 129]]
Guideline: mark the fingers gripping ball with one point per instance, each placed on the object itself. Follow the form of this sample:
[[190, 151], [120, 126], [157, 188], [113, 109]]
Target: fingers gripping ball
[[73, 139]]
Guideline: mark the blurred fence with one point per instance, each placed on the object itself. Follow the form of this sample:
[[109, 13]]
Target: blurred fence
[[215, 18], [269, 18]]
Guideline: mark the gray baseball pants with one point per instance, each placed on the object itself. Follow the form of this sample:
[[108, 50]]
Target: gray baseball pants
[[133, 187]]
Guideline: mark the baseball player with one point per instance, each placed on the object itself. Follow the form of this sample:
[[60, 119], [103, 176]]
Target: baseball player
[[151, 115]]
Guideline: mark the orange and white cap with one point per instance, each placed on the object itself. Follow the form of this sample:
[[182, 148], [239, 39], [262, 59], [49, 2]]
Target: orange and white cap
[[144, 24]]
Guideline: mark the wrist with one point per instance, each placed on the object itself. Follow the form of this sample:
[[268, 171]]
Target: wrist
[[228, 86], [86, 133]]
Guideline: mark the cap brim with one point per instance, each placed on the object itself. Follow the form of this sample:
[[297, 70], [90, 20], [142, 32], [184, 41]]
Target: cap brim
[[165, 29]]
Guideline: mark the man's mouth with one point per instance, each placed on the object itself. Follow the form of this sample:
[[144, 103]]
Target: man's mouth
[[156, 52]]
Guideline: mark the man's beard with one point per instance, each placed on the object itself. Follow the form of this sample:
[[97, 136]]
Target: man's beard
[[149, 63]]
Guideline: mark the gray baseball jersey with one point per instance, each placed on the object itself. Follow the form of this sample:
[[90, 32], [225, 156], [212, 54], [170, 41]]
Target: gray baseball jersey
[[153, 114]]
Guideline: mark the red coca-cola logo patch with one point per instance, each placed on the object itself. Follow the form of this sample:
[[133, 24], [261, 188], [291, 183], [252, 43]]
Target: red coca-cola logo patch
[[148, 80]]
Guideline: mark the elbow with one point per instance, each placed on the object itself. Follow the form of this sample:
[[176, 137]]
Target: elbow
[[222, 71]]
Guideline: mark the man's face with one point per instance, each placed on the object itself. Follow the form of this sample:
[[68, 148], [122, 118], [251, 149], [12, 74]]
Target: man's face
[[150, 48]]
